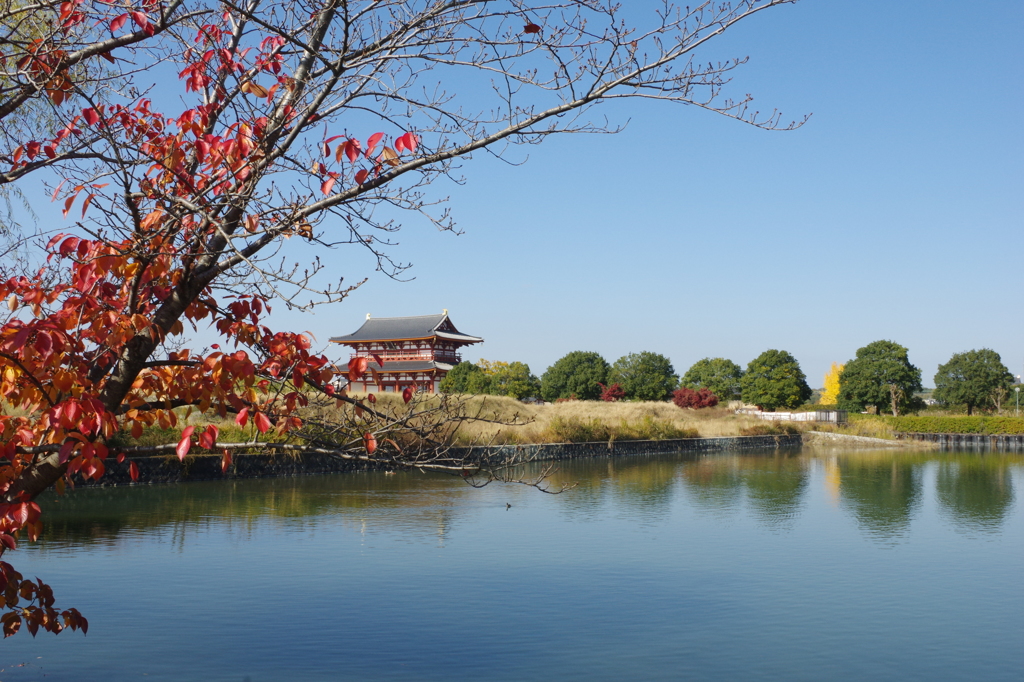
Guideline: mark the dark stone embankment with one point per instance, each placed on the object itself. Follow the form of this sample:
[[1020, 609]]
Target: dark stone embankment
[[168, 469]]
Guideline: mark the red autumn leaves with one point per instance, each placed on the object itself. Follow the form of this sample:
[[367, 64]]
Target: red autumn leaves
[[352, 149], [687, 397]]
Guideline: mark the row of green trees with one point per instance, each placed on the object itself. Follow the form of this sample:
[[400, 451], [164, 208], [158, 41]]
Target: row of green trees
[[880, 376], [773, 379]]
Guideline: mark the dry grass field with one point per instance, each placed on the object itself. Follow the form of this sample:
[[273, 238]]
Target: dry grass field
[[595, 420]]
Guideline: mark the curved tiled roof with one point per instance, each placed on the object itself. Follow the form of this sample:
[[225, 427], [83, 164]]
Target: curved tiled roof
[[405, 329]]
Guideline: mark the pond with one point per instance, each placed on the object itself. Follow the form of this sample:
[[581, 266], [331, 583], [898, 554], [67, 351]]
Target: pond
[[820, 564]]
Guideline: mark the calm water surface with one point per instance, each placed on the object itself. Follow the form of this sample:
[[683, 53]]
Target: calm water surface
[[825, 564]]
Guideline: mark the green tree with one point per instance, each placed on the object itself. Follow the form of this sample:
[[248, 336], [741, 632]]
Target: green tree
[[465, 377], [577, 374], [718, 375], [976, 378], [515, 380], [774, 379], [644, 376], [880, 375]]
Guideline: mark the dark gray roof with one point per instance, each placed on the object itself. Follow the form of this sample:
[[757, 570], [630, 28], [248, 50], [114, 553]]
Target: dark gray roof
[[401, 366], [406, 328]]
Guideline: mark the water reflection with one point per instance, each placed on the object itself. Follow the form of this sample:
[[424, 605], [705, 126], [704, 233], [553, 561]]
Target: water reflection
[[976, 493], [714, 484], [775, 487], [772, 484], [881, 490], [104, 515]]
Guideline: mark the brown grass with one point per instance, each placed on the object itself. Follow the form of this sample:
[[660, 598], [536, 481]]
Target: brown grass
[[558, 422]]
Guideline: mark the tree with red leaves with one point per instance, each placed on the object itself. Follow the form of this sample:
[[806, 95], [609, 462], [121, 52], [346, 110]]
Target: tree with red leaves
[[612, 393], [689, 398], [290, 122]]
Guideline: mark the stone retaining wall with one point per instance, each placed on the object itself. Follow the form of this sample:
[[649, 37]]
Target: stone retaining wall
[[168, 469]]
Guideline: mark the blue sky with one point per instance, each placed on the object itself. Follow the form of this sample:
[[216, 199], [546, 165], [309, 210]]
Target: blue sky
[[895, 213]]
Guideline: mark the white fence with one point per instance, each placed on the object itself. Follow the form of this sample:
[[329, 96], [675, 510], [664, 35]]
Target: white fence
[[830, 416]]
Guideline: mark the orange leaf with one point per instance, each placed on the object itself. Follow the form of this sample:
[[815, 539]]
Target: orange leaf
[[254, 89], [371, 397], [407, 394], [370, 442], [243, 417], [225, 462], [531, 28], [390, 157], [362, 175], [378, 358], [133, 471], [327, 185]]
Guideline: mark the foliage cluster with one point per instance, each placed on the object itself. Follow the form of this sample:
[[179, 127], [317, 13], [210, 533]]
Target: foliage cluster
[[512, 379], [718, 375], [689, 398], [974, 379], [830, 395], [644, 376], [613, 393], [971, 424], [577, 375], [880, 376], [774, 379]]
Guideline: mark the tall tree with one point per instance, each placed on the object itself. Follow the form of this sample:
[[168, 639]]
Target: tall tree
[[515, 380], [830, 396], [974, 379], [718, 375], [774, 379], [465, 377], [578, 374], [881, 375], [644, 376], [292, 122]]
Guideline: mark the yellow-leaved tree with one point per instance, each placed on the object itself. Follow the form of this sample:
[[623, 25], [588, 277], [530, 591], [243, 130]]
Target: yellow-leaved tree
[[831, 393]]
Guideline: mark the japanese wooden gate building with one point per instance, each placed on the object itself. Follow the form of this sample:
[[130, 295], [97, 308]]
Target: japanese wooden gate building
[[414, 350]]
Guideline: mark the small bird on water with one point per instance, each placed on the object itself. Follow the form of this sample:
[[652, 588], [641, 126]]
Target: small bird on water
[[507, 506]]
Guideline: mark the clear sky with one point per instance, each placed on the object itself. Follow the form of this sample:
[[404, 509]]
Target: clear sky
[[895, 213]]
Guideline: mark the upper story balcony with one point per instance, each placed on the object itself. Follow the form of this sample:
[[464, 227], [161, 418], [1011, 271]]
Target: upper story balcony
[[413, 354]]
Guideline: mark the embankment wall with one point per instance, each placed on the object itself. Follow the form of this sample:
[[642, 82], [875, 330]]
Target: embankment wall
[[168, 469]]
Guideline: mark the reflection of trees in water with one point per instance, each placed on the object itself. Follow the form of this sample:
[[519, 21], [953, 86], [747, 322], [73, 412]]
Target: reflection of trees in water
[[976, 492], [101, 516], [775, 486], [637, 484], [714, 483], [883, 493]]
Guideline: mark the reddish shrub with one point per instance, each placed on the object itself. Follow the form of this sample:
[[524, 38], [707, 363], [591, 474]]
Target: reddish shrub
[[611, 393], [687, 397]]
